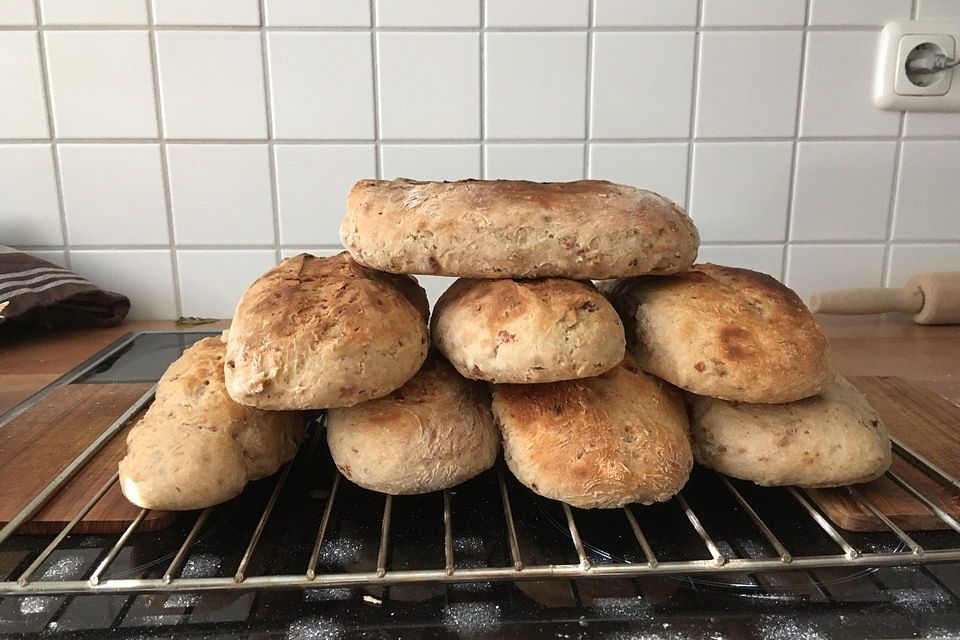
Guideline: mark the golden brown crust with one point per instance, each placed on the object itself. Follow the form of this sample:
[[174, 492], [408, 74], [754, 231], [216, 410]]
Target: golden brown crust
[[604, 442], [724, 332], [827, 440], [587, 229], [196, 447], [524, 331], [432, 433], [314, 333]]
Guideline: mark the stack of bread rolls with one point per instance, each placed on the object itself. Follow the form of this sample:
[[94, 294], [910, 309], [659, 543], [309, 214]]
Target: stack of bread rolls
[[522, 349]]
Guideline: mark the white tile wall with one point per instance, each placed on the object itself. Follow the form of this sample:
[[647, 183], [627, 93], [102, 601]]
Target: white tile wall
[[729, 104], [220, 194], [842, 190], [310, 209], [928, 200], [626, 67], [23, 108], [211, 282], [143, 276], [430, 162], [29, 210], [113, 194], [740, 190], [533, 13], [191, 147], [211, 84], [858, 12], [770, 13], [658, 166], [317, 13], [850, 266], [321, 85], [544, 162], [429, 85], [765, 258], [428, 13], [825, 111], [70, 12], [207, 12], [101, 84], [17, 13], [645, 13], [535, 85]]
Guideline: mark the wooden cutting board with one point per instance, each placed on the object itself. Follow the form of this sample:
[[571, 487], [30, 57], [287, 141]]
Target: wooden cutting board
[[924, 422], [36, 445]]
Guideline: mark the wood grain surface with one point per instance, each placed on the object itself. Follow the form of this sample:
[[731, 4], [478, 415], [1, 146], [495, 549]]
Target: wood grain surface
[[922, 421], [37, 445]]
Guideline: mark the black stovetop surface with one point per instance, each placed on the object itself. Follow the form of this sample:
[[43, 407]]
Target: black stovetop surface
[[901, 602]]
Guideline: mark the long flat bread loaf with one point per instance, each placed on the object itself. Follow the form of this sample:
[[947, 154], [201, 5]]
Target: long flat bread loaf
[[588, 229], [195, 447]]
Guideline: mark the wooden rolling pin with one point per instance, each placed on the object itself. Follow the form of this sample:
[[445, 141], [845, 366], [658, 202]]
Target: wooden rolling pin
[[932, 298]]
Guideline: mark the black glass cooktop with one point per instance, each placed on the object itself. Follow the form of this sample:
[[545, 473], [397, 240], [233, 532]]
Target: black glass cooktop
[[907, 602]]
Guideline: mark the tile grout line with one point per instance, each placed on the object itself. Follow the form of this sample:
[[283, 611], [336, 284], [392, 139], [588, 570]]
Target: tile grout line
[[892, 212], [299, 245], [164, 163], [795, 150], [483, 89], [588, 91], [271, 142], [694, 100], [375, 72], [428, 28], [52, 140], [319, 142]]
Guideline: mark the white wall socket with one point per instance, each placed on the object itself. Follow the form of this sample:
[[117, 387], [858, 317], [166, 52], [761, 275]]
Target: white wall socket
[[893, 90]]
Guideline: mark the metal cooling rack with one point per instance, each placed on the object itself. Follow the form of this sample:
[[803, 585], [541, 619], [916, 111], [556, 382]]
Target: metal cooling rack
[[490, 529]]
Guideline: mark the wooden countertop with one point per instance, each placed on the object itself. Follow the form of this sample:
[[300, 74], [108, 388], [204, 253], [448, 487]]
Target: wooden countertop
[[868, 345]]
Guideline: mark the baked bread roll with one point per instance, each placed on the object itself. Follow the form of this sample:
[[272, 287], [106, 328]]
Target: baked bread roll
[[520, 331], [825, 441], [724, 332], [601, 442], [195, 447], [432, 433], [314, 333], [516, 229]]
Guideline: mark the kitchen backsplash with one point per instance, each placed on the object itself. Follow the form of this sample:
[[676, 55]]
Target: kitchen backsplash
[[175, 149]]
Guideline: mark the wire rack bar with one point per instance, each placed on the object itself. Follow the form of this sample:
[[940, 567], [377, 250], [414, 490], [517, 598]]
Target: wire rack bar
[[761, 525], [181, 554], [575, 536], [384, 536], [115, 550], [508, 516], [40, 559], [322, 531], [718, 558], [925, 464], [867, 504], [482, 574], [641, 539], [447, 533], [928, 503], [241, 573], [71, 469], [828, 528]]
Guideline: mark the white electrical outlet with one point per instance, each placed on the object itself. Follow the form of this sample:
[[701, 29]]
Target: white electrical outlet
[[897, 90]]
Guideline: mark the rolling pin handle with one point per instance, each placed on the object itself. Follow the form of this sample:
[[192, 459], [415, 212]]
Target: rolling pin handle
[[867, 301]]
